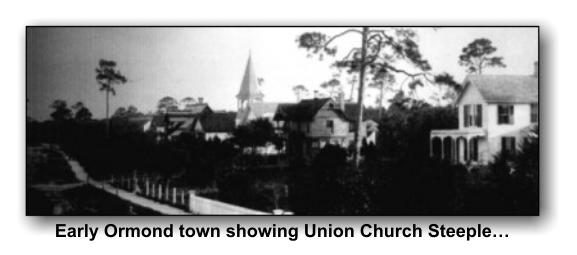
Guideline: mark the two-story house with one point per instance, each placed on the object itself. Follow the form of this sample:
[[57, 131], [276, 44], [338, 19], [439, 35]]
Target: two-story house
[[313, 123], [495, 113]]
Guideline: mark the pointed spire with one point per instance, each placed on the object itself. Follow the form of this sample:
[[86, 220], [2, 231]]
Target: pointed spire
[[249, 86]]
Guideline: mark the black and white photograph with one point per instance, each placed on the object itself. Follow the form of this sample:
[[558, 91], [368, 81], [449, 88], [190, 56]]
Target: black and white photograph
[[282, 121]]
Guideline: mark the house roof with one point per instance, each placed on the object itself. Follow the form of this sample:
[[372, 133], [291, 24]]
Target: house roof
[[178, 127], [140, 120], [198, 108], [159, 120], [249, 85], [190, 111], [305, 110], [219, 122], [504, 88]]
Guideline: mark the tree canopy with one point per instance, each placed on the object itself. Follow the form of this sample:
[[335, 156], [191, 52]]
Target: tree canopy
[[107, 76], [479, 54], [256, 133], [300, 91], [81, 113], [187, 101], [167, 103], [125, 113], [61, 111], [333, 86]]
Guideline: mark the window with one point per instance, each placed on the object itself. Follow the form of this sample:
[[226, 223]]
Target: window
[[508, 145], [330, 125], [466, 113], [479, 115], [473, 115], [534, 113], [505, 114]]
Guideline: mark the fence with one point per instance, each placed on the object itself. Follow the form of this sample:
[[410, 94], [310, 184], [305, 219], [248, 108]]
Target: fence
[[203, 205], [178, 197]]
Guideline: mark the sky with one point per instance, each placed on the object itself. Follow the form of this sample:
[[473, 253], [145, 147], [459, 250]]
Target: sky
[[209, 62]]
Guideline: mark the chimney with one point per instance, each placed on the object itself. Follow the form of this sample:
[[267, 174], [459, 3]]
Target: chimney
[[201, 100], [536, 69]]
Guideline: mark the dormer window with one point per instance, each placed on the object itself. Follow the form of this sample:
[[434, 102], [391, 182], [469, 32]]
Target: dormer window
[[505, 114]]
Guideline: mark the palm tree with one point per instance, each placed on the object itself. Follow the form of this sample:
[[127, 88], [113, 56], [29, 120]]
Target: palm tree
[[107, 76]]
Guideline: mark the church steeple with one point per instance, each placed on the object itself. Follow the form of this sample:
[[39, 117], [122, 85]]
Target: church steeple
[[249, 90], [248, 93]]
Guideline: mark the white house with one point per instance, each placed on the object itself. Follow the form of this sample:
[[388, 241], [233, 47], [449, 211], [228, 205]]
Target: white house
[[495, 113], [311, 124]]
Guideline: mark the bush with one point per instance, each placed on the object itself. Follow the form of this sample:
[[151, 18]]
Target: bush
[[329, 186], [404, 133]]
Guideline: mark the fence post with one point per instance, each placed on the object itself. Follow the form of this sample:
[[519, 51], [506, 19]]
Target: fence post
[[182, 197], [136, 189], [191, 194], [146, 188], [160, 192], [166, 192], [173, 195]]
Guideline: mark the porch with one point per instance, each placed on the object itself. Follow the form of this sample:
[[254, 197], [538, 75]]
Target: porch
[[458, 146]]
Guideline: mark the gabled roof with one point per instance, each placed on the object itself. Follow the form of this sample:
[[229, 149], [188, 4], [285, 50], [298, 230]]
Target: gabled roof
[[504, 88], [249, 85], [175, 119], [219, 122], [305, 110]]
